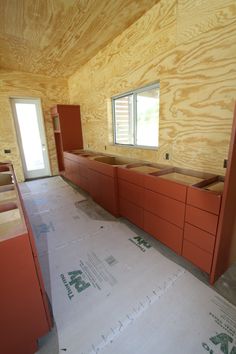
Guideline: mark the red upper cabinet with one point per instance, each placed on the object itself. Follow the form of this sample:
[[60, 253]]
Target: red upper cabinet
[[67, 130]]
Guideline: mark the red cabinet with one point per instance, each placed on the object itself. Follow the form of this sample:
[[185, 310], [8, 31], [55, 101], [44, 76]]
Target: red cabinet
[[164, 204], [131, 195], [103, 186], [164, 231], [25, 313], [201, 224], [67, 130], [76, 169]]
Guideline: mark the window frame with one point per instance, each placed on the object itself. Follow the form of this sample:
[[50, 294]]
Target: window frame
[[134, 93]]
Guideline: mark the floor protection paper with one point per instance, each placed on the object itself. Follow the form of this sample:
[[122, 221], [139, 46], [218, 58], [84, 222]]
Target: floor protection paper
[[111, 292]]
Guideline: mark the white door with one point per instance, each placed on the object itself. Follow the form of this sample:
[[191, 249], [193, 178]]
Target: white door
[[31, 137]]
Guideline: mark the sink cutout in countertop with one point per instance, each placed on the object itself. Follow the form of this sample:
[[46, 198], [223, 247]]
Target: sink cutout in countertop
[[145, 169], [182, 178], [112, 160], [215, 187]]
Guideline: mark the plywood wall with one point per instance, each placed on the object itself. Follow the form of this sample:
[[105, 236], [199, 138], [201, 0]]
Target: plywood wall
[[187, 45], [17, 84]]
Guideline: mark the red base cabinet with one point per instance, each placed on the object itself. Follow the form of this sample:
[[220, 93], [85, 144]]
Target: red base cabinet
[[24, 308], [131, 196], [103, 186], [201, 224]]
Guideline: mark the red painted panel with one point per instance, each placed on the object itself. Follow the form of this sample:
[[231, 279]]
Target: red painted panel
[[103, 168], [227, 214], [94, 185], [200, 238], [165, 207], [84, 183], [131, 212], [202, 219], [169, 188], [197, 256], [167, 233], [131, 192], [130, 176], [71, 129], [104, 191], [22, 310], [203, 199], [109, 195]]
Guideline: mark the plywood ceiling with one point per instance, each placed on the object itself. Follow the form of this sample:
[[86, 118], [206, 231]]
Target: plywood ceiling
[[56, 37]]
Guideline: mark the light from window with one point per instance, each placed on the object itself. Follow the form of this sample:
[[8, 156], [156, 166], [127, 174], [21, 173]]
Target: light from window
[[136, 117]]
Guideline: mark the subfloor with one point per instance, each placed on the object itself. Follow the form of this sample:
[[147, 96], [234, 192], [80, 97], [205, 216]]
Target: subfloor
[[95, 217]]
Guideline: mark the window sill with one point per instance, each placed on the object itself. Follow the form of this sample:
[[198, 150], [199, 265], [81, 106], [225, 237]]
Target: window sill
[[139, 147]]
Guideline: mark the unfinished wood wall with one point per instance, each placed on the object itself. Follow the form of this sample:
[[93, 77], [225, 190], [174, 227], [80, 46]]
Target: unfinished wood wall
[[187, 45], [17, 84]]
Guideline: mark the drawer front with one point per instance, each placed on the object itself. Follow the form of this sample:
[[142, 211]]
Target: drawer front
[[131, 192], [131, 212], [202, 219], [204, 200], [200, 238], [130, 176], [167, 233], [105, 169], [165, 207], [197, 256], [170, 189]]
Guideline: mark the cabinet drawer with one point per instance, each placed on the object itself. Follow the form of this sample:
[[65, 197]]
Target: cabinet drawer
[[131, 212], [165, 207], [131, 192], [167, 233], [130, 176], [197, 256], [100, 167], [202, 219], [204, 200], [200, 238], [168, 188]]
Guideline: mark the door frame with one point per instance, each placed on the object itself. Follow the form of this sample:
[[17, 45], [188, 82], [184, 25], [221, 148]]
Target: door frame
[[38, 104]]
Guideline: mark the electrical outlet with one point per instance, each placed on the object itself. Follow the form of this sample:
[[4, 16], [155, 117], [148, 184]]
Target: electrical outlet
[[167, 156]]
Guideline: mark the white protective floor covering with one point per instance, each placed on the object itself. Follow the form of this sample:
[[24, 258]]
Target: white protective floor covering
[[111, 292]]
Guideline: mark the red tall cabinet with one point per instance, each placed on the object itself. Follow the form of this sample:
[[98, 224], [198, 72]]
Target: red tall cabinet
[[67, 130]]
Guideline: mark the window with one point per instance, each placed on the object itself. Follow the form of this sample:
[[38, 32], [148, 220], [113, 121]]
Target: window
[[136, 117]]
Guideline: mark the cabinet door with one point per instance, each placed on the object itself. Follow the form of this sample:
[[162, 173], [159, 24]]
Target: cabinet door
[[164, 231], [94, 184], [197, 256], [131, 211], [109, 197], [167, 208], [131, 192]]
